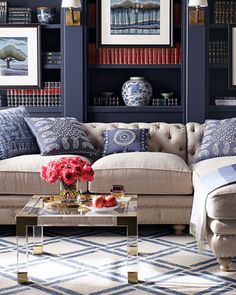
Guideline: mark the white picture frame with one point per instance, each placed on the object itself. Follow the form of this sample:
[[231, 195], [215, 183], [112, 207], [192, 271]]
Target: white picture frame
[[139, 23], [20, 56]]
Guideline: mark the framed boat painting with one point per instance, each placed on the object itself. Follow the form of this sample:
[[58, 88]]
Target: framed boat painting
[[20, 65], [143, 23]]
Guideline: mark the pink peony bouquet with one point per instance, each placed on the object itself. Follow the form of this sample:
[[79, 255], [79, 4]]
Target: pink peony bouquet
[[68, 170]]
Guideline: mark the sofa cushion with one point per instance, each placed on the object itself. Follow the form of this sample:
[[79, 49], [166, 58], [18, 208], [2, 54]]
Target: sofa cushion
[[57, 136], [221, 203], [21, 175], [121, 140], [15, 136], [218, 139], [142, 173]]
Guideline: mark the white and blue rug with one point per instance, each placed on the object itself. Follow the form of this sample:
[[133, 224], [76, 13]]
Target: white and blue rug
[[93, 261]]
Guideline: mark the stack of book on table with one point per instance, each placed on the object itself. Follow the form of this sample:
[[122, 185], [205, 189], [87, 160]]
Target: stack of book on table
[[19, 15], [226, 101]]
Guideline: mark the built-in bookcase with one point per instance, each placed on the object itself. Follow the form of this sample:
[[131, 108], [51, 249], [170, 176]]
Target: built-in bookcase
[[221, 13], [103, 75], [50, 42]]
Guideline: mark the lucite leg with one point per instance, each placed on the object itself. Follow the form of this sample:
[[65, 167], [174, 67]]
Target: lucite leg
[[132, 259], [37, 240], [22, 259]]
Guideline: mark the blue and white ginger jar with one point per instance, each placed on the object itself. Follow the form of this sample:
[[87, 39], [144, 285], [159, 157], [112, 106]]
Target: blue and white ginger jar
[[137, 92]]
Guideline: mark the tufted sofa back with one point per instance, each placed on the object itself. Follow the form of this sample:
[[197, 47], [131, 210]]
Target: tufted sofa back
[[194, 138], [163, 137]]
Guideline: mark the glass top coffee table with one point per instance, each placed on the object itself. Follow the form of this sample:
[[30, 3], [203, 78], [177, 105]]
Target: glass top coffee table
[[45, 210]]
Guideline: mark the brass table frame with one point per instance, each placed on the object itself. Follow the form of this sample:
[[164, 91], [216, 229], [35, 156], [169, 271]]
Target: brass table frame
[[30, 217]]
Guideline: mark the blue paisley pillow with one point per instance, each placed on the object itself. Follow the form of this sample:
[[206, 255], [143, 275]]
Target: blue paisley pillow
[[219, 139], [125, 140], [56, 136], [15, 136]]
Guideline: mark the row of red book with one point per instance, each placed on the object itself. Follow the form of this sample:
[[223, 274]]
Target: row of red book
[[49, 95], [170, 55], [92, 14]]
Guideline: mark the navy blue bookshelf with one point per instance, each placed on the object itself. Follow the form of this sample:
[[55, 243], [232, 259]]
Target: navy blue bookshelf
[[110, 77]]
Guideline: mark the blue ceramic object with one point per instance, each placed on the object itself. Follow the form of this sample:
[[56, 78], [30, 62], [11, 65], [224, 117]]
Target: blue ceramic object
[[46, 15], [137, 92]]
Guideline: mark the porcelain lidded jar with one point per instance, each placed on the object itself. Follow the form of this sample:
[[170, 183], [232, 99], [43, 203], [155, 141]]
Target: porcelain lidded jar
[[137, 92]]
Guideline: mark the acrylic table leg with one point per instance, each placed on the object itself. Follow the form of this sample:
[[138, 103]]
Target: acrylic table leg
[[132, 250], [22, 259], [132, 262], [37, 240]]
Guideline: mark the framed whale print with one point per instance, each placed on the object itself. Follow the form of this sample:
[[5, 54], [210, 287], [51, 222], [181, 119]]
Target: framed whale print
[[144, 23], [20, 65]]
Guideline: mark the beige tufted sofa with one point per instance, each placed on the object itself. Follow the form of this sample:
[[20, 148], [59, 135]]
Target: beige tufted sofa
[[163, 178]]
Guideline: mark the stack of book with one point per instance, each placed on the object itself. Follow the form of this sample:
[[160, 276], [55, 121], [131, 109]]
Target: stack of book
[[48, 96], [51, 58], [134, 55], [19, 15], [177, 13], [106, 101], [3, 12], [170, 102], [218, 52], [226, 101], [92, 14], [224, 12]]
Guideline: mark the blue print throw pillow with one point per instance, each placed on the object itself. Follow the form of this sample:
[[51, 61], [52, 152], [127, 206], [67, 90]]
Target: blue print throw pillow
[[219, 139], [15, 136], [58, 136], [125, 140]]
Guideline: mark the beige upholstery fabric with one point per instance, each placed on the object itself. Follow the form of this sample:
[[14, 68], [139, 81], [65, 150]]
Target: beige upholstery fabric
[[221, 203], [194, 138], [163, 137], [164, 209], [10, 206], [222, 227], [142, 173], [21, 175], [222, 245]]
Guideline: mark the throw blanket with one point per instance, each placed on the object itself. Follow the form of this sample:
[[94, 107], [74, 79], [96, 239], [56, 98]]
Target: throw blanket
[[205, 185]]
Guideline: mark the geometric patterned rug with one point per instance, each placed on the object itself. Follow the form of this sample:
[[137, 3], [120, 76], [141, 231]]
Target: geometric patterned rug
[[93, 261]]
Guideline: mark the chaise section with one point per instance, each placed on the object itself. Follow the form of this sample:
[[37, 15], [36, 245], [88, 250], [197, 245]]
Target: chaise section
[[142, 173], [220, 208]]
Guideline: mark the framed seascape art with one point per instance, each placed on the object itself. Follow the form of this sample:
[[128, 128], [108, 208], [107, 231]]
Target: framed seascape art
[[124, 23], [232, 57], [20, 65]]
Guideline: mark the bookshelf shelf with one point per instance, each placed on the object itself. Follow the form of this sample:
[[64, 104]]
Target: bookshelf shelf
[[40, 109], [52, 67], [51, 26], [218, 26], [135, 66], [218, 66], [222, 108], [139, 109]]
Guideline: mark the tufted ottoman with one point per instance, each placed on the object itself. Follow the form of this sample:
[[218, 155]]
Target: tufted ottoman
[[220, 205]]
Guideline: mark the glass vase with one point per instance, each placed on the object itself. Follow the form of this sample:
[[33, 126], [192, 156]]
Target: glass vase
[[69, 193]]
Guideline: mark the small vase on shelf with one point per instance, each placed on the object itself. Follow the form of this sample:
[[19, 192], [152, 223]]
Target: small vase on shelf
[[137, 92]]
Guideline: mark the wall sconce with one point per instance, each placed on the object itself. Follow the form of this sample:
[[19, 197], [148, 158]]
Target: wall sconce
[[72, 16], [196, 17]]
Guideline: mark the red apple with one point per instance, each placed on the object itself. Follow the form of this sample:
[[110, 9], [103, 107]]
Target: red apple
[[98, 201], [110, 201]]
